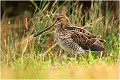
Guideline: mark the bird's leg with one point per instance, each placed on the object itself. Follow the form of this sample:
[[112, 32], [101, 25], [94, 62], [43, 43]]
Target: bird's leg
[[101, 53], [52, 60], [60, 56], [85, 55], [76, 56]]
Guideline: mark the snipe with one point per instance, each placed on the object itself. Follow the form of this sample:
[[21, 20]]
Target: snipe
[[73, 38]]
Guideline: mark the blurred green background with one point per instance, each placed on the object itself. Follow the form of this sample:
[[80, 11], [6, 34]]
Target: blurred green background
[[26, 57]]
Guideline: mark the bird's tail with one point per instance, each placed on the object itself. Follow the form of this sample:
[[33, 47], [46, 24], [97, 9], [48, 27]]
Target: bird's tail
[[96, 46]]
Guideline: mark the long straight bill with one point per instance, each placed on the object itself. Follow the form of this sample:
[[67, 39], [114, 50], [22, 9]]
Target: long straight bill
[[45, 29]]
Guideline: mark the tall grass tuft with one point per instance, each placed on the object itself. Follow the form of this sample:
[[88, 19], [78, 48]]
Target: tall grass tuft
[[24, 56]]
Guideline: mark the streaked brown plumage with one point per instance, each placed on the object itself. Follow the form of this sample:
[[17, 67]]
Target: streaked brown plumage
[[73, 38]]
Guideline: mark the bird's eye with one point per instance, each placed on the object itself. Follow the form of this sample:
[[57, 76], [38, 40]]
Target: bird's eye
[[58, 18]]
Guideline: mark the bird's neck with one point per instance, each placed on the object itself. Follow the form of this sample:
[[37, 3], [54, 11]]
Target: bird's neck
[[64, 25]]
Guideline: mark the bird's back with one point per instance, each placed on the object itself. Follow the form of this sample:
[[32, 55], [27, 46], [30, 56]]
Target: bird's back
[[77, 39]]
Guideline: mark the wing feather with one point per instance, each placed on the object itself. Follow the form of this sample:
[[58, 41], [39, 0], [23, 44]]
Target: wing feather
[[85, 39], [80, 30]]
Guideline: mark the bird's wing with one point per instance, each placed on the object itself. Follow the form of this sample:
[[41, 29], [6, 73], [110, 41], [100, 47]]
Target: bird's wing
[[81, 38], [86, 40], [80, 30]]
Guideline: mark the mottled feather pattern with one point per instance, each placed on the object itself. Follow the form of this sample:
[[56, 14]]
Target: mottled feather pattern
[[80, 30], [73, 38], [76, 38]]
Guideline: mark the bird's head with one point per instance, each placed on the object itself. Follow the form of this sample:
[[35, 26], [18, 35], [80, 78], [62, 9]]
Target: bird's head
[[61, 19], [58, 20]]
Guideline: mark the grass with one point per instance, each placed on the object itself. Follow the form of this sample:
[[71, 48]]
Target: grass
[[26, 57]]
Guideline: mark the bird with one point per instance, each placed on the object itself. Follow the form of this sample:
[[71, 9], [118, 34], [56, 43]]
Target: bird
[[74, 39]]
